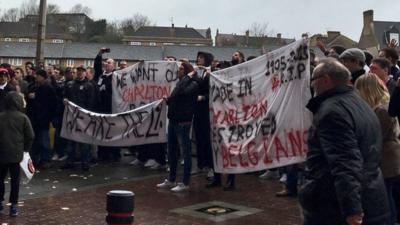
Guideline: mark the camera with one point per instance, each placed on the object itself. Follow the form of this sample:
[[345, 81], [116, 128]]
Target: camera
[[107, 50]]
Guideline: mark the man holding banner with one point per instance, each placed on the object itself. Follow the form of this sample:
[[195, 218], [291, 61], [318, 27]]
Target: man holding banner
[[81, 92], [181, 106]]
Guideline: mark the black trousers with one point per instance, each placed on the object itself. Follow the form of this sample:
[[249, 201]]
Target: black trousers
[[14, 174]]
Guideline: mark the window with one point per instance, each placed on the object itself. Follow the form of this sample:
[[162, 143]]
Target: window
[[15, 61], [183, 44], [70, 62], [23, 40], [136, 43], [394, 36], [168, 43], [89, 63], [152, 44], [58, 41], [7, 39], [51, 62]]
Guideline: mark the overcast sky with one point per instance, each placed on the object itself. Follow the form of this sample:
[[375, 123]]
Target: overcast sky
[[289, 17]]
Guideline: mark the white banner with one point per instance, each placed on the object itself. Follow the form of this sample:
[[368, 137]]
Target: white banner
[[143, 125], [257, 111], [142, 83]]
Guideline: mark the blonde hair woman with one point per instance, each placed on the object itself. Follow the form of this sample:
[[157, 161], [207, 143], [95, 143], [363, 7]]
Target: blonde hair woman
[[375, 93]]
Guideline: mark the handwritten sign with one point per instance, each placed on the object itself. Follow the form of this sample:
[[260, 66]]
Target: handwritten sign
[[257, 111], [143, 83], [143, 125]]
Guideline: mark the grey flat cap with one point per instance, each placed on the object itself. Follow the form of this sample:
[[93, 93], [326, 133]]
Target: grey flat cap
[[353, 53]]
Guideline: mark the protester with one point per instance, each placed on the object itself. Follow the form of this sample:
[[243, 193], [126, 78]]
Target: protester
[[392, 55], [13, 143], [104, 85], [237, 58], [42, 113], [19, 78], [381, 68], [375, 93], [343, 182], [81, 92], [123, 64], [57, 81], [354, 60], [5, 86], [181, 106], [201, 120], [29, 73]]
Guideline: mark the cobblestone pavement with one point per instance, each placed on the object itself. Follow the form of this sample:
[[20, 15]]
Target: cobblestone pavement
[[87, 205]]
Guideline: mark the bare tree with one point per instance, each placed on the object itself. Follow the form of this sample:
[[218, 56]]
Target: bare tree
[[79, 8], [130, 25], [260, 30], [11, 15], [29, 7], [53, 8]]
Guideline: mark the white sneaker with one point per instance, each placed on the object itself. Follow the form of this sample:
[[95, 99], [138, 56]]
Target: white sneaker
[[166, 184], [180, 187], [136, 162], [63, 158], [283, 178], [156, 166], [150, 163], [55, 157], [270, 175], [210, 173]]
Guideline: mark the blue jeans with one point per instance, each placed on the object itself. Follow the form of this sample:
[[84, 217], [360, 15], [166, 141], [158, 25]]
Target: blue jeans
[[83, 148], [179, 139]]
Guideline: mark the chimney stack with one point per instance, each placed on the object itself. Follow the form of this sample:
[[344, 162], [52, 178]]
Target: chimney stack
[[368, 17]]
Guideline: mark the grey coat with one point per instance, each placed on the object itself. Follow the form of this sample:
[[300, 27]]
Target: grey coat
[[390, 161]]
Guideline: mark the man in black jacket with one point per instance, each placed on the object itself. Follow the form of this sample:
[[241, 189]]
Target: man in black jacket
[[81, 92], [41, 112], [343, 183], [104, 87]]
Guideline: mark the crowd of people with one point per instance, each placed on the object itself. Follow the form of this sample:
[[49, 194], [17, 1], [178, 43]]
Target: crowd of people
[[352, 172]]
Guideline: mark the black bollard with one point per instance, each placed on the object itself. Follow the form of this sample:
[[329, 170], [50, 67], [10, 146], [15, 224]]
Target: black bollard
[[120, 205]]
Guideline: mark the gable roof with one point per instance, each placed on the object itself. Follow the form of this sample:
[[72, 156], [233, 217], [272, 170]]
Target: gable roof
[[161, 32]]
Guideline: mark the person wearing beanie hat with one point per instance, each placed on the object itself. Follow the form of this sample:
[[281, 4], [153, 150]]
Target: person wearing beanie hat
[[354, 60], [41, 112], [5, 86]]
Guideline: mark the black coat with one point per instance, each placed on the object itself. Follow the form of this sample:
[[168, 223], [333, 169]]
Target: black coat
[[181, 103], [3, 92], [43, 106], [342, 168], [104, 87], [81, 93]]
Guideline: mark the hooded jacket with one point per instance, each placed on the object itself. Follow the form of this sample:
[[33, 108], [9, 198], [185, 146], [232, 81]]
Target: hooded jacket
[[19, 135]]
